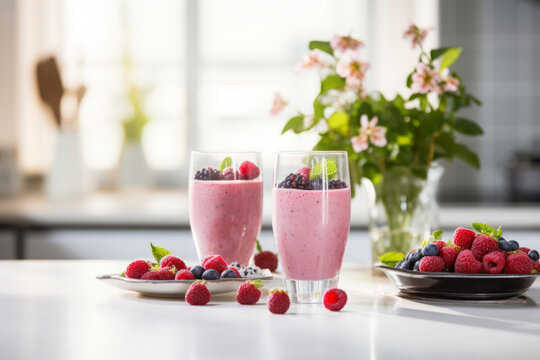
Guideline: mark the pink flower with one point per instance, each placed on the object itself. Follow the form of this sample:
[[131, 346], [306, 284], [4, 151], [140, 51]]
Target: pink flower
[[369, 131], [415, 34], [344, 43], [352, 69], [425, 80], [314, 59], [450, 83], [359, 143], [278, 104]]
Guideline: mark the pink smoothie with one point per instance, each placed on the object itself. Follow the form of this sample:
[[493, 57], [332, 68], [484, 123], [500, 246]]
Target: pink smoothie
[[311, 229], [225, 217]]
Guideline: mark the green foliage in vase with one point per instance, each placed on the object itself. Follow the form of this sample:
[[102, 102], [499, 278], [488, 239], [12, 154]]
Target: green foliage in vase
[[134, 124], [379, 133]]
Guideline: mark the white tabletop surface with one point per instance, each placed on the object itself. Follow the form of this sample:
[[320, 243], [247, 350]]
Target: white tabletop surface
[[58, 310]]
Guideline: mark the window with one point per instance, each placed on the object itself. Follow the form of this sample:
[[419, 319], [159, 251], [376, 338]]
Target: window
[[210, 69]]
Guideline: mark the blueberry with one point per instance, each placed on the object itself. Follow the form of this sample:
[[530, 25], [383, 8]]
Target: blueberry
[[398, 265], [504, 245], [229, 274], [533, 255], [430, 250], [445, 270], [210, 274], [501, 238], [416, 266], [197, 271], [406, 265], [415, 257], [514, 244]]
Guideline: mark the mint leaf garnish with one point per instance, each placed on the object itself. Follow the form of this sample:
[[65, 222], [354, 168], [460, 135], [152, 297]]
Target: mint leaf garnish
[[437, 235], [391, 258], [123, 274], [318, 170], [487, 230], [159, 252], [227, 162]]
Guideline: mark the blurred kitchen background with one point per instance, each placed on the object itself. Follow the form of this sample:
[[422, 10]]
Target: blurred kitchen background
[[136, 85]]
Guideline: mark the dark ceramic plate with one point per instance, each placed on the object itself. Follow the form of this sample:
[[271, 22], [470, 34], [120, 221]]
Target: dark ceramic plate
[[459, 286]]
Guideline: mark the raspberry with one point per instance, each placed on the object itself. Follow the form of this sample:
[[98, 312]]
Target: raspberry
[[295, 181], [305, 171], [518, 263], [207, 174], [137, 268], [493, 263], [198, 293], [431, 264], [334, 299], [278, 301], [266, 260], [536, 266], [467, 263], [185, 275], [482, 245], [449, 255], [248, 293], [171, 260], [525, 249], [440, 244], [229, 174], [236, 271], [166, 273], [151, 275], [463, 238], [248, 170], [215, 262]]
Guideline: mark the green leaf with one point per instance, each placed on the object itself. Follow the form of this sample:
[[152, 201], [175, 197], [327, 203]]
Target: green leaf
[[123, 273], [499, 232], [159, 252], [332, 81], [318, 170], [450, 56], [259, 247], [321, 45], [295, 124], [391, 258], [467, 127], [409, 80], [467, 155], [437, 235], [483, 228], [339, 122], [227, 162], [435, 53]]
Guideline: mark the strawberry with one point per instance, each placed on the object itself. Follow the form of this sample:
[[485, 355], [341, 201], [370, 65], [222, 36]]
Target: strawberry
[[248, 293], [265, 259], [198, 293], [278, 301]]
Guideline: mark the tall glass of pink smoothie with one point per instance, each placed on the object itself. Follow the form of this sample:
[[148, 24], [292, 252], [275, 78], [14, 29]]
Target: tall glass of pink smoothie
[[311, 216], [225, 204]]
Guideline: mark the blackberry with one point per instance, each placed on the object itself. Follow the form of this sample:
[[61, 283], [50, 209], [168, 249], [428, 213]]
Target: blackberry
[[207, 174], [317, 184], [296, 181], [337, 184]]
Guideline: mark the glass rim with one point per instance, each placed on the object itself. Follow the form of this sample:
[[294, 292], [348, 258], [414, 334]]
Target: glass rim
[[315, 152], [224, 152]]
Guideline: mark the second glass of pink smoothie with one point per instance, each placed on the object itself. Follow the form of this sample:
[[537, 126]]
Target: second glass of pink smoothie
[[311, 214], [225, 204]]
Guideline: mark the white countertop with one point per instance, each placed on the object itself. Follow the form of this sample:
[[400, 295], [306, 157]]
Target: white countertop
[[169, 208], [58, 310]]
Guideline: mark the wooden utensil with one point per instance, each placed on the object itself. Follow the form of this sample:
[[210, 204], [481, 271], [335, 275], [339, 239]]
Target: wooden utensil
[[50, 85]]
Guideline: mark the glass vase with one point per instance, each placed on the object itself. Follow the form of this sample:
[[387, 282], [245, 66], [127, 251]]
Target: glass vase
[[403, 210]]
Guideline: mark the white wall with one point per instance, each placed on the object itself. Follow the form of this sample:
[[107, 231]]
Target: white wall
[[8, 128]]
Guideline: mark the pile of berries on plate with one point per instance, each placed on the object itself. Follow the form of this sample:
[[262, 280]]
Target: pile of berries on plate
[[312, 179], [471, 251], [246, 171]]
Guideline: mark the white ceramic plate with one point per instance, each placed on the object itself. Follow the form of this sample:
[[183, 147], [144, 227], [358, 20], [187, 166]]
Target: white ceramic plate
[[175, 288]]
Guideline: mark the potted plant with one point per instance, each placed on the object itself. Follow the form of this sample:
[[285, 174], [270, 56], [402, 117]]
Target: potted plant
[[393, 143]]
